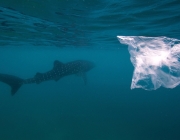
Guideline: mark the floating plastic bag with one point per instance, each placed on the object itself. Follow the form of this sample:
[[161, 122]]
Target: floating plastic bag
[[156, 61]]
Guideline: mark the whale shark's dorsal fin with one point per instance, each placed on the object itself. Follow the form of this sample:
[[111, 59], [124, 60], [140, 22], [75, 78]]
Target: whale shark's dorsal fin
[[38, 74], [57, 64]]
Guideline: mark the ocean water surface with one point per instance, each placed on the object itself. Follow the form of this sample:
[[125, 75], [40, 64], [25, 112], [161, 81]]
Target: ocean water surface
[[33, 34]]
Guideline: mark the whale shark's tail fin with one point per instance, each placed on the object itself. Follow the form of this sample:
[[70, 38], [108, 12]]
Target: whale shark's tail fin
[[13, 81]]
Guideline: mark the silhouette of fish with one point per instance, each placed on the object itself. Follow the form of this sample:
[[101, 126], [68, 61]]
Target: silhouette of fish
[[59, 70]]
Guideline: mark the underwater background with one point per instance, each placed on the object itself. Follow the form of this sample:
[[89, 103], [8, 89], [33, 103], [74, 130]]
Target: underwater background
[[34, 33]]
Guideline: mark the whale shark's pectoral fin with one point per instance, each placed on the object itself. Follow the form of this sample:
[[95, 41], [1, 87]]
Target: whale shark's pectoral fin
[[84, 78], [83, 75]]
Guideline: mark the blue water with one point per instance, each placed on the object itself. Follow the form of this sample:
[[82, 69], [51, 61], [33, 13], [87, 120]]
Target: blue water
[[35, 33]]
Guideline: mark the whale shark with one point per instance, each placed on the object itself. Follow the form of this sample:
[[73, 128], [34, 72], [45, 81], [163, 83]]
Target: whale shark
[[59, 70]]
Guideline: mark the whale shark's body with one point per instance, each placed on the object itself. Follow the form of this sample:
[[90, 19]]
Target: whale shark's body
[[59, 70]]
